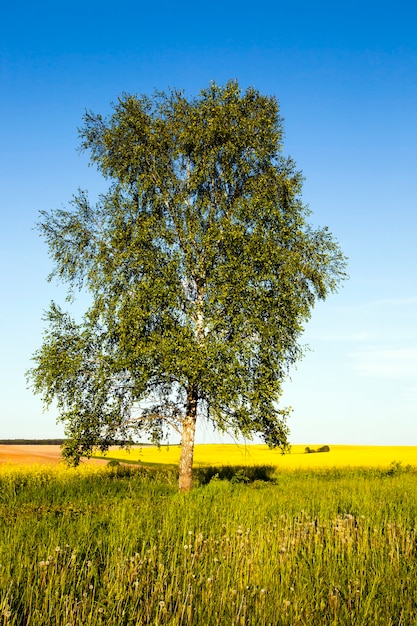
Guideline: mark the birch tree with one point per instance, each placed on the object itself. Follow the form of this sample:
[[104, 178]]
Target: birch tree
[[202, 270]]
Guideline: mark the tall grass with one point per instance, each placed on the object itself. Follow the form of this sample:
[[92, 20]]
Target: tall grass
[[121, 546]]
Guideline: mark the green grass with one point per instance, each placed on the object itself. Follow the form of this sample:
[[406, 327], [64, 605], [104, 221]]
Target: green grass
[[122, 546]]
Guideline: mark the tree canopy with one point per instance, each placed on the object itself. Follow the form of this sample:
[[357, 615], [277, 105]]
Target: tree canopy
[[202, 270]]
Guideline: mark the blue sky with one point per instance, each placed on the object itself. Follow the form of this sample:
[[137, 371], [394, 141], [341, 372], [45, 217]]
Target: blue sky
[[346, 77]]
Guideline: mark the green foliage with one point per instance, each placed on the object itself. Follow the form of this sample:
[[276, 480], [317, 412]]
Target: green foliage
[[201, 267], [309, 450]]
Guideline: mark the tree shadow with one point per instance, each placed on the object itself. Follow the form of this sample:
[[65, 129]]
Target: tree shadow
[[235, 473]]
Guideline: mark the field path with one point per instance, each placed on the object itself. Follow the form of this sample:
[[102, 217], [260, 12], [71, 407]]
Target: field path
[[30, 454]]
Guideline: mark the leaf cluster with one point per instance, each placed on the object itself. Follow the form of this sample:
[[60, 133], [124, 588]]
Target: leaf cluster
[[201, 266]]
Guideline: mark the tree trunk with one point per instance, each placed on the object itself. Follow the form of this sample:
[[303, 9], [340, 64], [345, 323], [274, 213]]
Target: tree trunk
[[185, 481]]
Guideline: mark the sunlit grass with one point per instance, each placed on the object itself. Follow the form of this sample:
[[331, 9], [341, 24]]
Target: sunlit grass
[[235, 454], [119, 545]]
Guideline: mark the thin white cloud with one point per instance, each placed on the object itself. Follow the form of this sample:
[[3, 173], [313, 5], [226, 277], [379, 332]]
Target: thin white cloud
[[347, 338], [386, 363], [410, 399], [382, 304], [392, 302]]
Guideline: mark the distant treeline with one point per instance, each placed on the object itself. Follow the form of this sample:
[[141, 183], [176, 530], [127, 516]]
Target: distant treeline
[[322, 449], [32, 442], [54, 442]]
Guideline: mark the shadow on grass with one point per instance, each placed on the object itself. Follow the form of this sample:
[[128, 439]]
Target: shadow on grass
[[235, 473]]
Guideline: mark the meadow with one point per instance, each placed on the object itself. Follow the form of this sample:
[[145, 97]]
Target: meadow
[[253, 544]]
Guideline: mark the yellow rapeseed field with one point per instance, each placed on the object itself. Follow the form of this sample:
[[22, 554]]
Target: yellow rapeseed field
[[206, 455], [43, 473], [252, 454]]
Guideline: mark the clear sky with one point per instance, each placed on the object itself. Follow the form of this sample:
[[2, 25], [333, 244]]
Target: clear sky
[[345, 74]]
